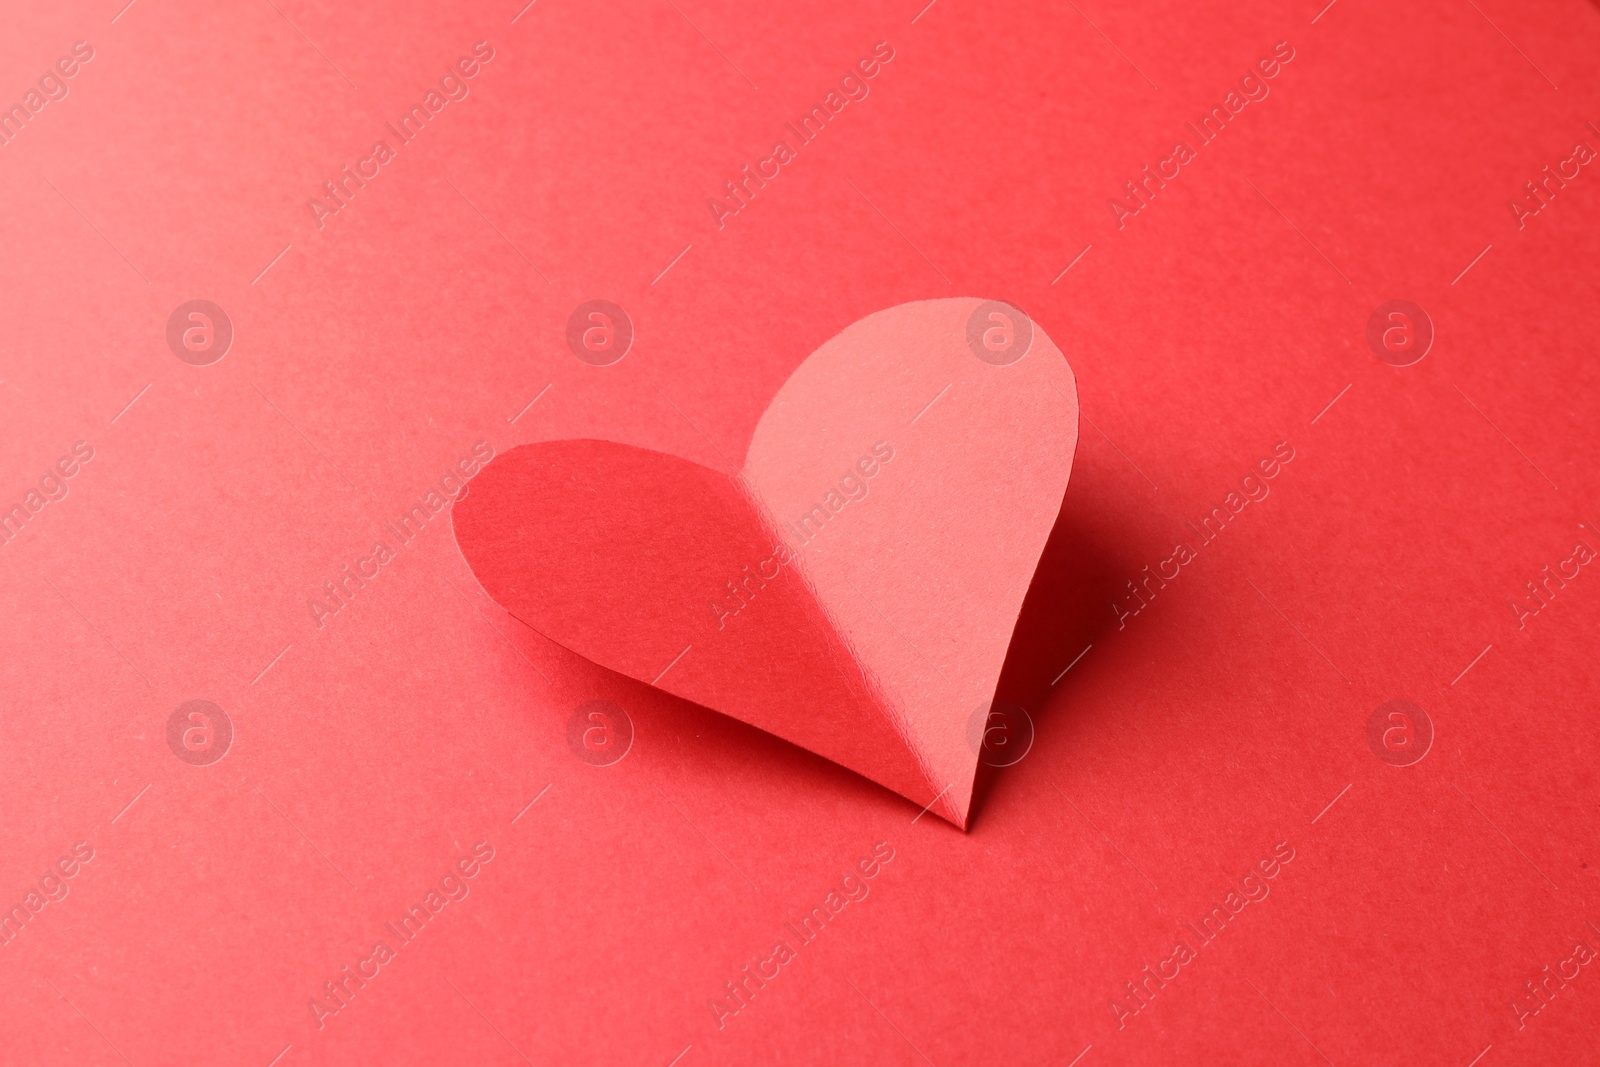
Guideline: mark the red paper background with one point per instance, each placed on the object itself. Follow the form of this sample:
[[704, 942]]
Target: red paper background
[[1221, 720]]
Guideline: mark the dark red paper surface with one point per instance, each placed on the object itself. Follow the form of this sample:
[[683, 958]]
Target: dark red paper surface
[[1219, 728]]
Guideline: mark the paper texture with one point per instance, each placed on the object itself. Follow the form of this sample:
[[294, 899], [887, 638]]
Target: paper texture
[[1301, 766]]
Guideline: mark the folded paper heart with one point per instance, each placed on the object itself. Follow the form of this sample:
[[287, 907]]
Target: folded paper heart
[[854, 588]]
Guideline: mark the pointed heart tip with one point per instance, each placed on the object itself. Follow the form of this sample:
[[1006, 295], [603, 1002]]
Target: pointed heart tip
[[953, 806]]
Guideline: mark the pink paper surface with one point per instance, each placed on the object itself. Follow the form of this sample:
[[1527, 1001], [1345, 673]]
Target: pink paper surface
[[1287, 511]]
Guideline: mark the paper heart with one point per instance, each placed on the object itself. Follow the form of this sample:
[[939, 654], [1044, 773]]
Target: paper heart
[[854, 589]]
